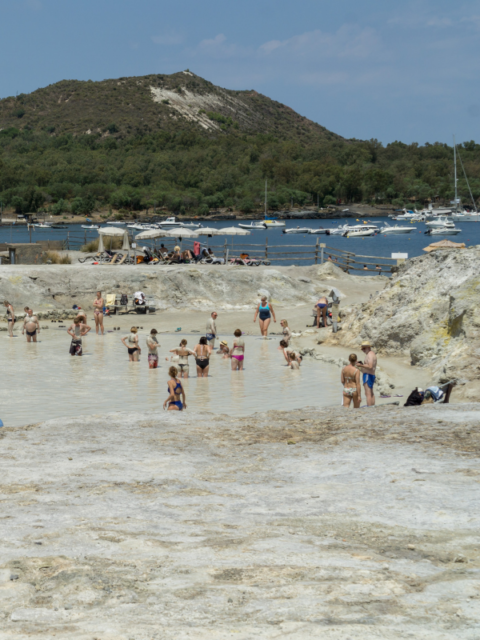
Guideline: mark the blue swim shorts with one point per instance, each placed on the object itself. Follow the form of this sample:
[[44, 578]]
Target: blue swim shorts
[[369, 378]]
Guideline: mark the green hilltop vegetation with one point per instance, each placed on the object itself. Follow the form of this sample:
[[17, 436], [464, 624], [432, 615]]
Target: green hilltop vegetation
[[180, 142]]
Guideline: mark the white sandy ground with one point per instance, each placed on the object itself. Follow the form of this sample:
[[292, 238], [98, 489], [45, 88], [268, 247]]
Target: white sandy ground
[[158, 526]]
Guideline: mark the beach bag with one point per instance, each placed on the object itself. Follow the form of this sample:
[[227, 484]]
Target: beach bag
[[414, 399], [124, 299]]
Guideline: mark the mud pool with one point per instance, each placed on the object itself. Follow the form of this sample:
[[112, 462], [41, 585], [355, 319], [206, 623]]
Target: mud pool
[[42, 381]]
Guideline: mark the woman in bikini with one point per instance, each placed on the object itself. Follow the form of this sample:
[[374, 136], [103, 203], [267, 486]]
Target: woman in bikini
[[202, 353], [98, 305], [175, 390], [287, 334], [351, 383], [321, 307], [238, 351], [10, 317], [265, 313], [133, 349], [183, 354], [77, 330]]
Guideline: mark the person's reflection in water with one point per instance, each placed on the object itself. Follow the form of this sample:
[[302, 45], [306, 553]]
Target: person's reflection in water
[[202, 394], [238, 399]]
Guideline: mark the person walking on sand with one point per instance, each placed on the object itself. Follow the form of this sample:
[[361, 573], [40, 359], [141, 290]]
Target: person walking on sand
[[368, 369], [321, 307], [287, 334], [202, 357], [238, 351], [10, 317], [183, 354], [265, 313], [211, 330], [30, 325], [350, 378], [98, 305], [152, 344], [175, 390], [133, 349], [77, 330]]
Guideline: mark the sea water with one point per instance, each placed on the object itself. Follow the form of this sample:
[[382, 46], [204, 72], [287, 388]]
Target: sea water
[[42, 381]]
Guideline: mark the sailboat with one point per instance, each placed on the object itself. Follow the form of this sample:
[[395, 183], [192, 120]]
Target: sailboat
[[458, 216], [272, 223]]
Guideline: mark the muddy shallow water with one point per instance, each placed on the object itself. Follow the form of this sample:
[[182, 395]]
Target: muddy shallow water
[[42, 381]]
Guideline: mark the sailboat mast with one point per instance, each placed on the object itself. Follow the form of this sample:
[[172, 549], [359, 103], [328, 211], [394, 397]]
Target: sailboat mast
[[455, 166], [265, 198]]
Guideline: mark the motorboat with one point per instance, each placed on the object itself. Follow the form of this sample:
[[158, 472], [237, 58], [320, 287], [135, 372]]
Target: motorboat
[[409, 216], [273, 223], [43, 225], [191, 225], [447, 230], [59, 225], [90, 226], [254, 226], [171, 223], [296, 230], [117, 222], [432, 213], [319, 231], [359, 233], [395, 229], [339, 231], [439, 221], [466, 216]]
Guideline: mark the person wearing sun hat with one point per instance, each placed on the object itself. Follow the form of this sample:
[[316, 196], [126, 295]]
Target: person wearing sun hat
[[368, 369]]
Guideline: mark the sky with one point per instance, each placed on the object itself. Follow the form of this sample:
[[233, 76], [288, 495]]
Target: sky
[[390, 70]]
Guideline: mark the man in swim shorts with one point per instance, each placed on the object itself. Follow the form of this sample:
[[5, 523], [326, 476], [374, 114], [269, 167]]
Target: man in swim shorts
[[211, 331], [368, 369], [98, 305], [30, 325]]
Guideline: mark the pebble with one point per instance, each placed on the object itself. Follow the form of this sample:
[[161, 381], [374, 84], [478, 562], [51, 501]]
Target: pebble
[[410, 546]]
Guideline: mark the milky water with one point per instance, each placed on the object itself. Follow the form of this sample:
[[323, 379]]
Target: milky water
[[42, 381]]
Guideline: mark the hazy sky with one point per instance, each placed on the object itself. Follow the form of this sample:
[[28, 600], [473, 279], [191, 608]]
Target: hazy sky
[[404, 70]]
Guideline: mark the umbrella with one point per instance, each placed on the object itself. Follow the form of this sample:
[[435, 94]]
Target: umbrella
[[151, 233], [233, 231], [181, 233], [444, 244], [112, 231], [208, 231]]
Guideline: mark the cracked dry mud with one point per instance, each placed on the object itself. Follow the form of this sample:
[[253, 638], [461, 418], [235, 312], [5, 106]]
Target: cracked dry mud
[[302, 524]]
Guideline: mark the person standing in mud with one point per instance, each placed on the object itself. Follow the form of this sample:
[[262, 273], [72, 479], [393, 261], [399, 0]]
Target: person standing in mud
[[98, 305], [211, 331], [368, 369], [10, 317], [77, 330], [30, 325]]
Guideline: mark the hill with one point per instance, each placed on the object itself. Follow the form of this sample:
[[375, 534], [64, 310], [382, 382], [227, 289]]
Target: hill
[[143, 105], [181, 143]]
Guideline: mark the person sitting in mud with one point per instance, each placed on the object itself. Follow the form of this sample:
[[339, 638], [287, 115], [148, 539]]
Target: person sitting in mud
[[287, 351], [293, 363], [223, 349]]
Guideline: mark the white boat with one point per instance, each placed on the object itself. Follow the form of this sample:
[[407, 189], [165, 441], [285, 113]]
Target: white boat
[[466, 216], [171, 223], [338, 231], [117, 222], [90, 226], [432, 213], [359, 233], [43, 225], [274, 224], [409, 216], [254, 226], [191, 225], [297, 230], [439, 221], [395, 229], [319, 231], [443, 231]]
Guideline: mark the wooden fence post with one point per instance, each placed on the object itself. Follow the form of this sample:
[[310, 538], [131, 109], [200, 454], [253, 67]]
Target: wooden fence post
[[322, 256], [225, 251], [266, 248], [316, 252]]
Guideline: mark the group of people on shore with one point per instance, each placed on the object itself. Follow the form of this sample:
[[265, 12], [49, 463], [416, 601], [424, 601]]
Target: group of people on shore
[[350, 377]]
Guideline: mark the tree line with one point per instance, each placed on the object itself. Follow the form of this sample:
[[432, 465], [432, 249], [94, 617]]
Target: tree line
[[189, 172]]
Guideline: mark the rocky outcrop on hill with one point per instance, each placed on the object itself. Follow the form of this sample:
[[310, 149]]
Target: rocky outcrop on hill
[[429, 310]]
